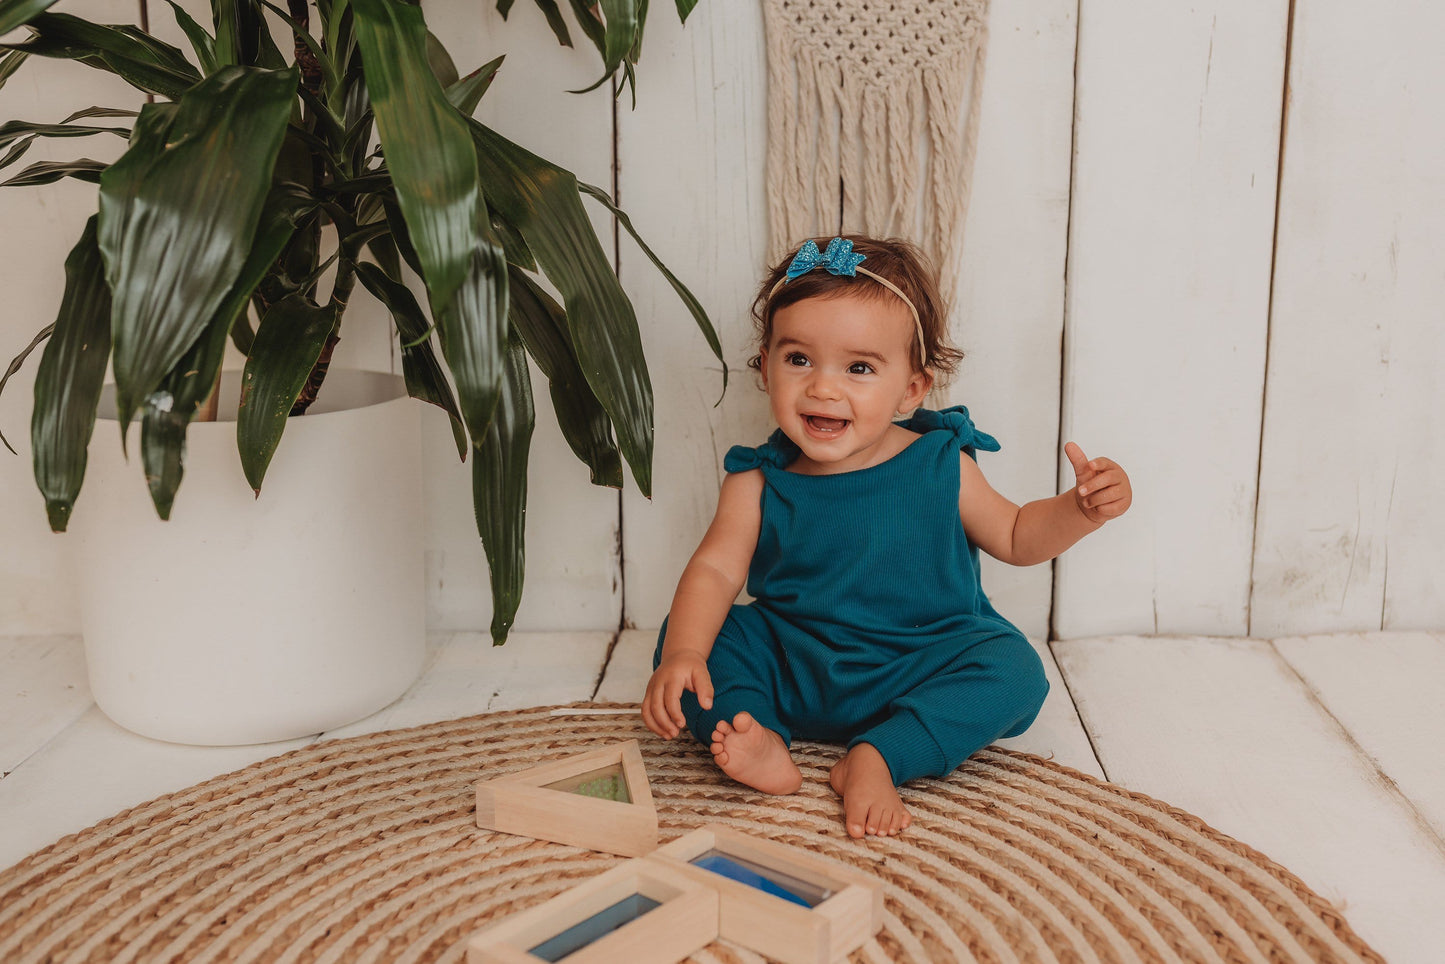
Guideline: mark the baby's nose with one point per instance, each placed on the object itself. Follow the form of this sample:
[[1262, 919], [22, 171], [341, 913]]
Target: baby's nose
[[823, 385]]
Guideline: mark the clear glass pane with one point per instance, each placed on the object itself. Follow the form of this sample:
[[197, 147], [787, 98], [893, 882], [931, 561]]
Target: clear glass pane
[[607, 783]]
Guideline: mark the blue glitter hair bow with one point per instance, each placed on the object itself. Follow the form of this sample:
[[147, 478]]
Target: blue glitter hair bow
[[838, 259]]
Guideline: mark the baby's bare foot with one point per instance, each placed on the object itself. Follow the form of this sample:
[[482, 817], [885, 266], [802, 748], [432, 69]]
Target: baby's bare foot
[[751, 753], [871, 803]]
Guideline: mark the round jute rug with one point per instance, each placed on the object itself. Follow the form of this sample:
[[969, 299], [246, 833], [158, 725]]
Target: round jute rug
[[366, 849]]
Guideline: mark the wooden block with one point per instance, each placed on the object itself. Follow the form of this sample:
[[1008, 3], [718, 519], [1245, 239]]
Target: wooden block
[[846, 905], [573, 927], [559, 801]]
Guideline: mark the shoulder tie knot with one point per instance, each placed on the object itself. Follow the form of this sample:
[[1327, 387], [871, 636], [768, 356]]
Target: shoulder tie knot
[[778, 451], [957, 421]]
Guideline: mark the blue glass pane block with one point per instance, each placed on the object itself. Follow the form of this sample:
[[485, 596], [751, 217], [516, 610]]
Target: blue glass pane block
[[600, 924], [766, 879]]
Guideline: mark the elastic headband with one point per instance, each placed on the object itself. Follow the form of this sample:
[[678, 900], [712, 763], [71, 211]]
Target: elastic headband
[[839, 259]]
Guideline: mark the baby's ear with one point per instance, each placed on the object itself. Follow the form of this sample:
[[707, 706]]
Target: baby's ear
[[918, 385]]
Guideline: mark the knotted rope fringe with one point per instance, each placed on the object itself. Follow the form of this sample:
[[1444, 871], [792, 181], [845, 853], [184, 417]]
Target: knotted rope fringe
[[854, 88]]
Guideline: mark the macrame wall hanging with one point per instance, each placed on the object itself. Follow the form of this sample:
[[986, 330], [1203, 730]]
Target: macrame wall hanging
[[873, 110]]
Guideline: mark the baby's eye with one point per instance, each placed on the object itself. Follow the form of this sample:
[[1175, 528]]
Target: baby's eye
[[796, 358], [860, 368]]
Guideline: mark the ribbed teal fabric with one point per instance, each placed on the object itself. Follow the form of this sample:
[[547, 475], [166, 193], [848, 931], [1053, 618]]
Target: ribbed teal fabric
[[869, 623]]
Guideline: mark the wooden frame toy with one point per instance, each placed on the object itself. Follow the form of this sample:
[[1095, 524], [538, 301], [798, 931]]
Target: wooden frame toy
[[776, 900], [599, 800], [638, 913]]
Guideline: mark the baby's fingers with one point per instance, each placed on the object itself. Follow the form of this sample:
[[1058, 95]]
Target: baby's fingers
[[672, 700], [650, 716], [1105, 479], [654, 708], [702, 686], [1109, 502]]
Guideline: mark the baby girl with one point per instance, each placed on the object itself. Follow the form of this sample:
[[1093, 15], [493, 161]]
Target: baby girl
[[857, 535]]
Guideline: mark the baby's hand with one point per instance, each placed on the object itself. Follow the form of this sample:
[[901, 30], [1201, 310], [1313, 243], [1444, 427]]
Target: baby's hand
[[662, 704], [1103, 491]]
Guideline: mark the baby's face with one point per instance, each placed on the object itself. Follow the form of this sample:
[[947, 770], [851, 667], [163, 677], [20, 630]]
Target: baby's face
[[838, 371]]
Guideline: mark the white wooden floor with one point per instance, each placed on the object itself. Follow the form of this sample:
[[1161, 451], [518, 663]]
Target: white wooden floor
[[1322, 752]]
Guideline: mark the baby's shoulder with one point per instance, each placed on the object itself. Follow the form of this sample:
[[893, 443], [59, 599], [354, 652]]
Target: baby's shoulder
[[741, 494]]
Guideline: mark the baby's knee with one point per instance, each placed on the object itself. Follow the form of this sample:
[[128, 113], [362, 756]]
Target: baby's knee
[[1030, 687]]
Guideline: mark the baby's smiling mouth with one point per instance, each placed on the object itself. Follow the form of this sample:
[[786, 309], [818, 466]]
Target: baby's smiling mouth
[[821, 424]]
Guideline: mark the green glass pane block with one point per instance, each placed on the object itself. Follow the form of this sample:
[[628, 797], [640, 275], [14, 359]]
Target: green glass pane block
[[605, 783]]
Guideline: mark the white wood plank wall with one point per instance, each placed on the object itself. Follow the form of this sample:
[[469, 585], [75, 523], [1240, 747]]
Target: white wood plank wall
[[1350, 519], [1116, 292], [1176, 138]]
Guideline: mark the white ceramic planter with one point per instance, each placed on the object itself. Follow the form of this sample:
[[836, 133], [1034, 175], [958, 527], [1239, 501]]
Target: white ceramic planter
[[245, 619]]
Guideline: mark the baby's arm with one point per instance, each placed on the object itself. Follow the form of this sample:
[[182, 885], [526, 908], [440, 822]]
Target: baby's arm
[[705, 593], [1043, 529]]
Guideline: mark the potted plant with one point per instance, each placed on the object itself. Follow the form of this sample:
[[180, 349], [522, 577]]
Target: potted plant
[[232, 183]]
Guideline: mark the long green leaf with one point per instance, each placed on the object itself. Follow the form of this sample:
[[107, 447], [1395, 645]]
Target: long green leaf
[[472, 329], [243, 37], [168, 410], [48, 172], [542, 201], [100, 112], [139, 59], [540, 322], [623, 26], [14, 130], [684, 7], [688, 298], [467, 92], [17, 13], [401, 236], [201, 42], [286, 348], [68, 381], [425, 379], [513, 243], [550, 11], [15, 365], [499, 490], [443, 68], [428, 150], [178, 222], [22, 134], [9, 63]]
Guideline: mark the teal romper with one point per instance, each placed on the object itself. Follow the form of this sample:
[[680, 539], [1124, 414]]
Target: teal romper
[[869, 624]]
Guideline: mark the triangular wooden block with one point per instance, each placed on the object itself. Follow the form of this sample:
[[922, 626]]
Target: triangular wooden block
[[599, 800]]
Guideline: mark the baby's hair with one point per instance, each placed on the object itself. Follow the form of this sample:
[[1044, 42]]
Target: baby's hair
[[895, 259]]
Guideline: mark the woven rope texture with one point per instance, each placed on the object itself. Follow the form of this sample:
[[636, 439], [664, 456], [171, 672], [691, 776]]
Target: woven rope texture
[[366, 850]]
